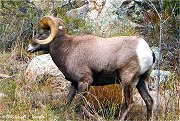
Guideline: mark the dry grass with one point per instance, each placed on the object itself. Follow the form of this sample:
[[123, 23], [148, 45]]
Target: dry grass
[[19, 102]]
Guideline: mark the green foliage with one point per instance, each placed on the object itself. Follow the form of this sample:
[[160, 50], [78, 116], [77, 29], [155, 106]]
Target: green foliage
[[17, 22], [74, 25], [170, 42], [169, 5]]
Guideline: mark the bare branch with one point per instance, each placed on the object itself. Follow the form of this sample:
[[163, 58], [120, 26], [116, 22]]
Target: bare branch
[[166, 20], [154, 8], [159, 13]]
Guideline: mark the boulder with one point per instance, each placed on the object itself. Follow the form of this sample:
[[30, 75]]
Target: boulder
[[162, 98], [5, 76], [54, 88], [164, 77], [2, 95], [40, 65], [103, 15], [156, 52]]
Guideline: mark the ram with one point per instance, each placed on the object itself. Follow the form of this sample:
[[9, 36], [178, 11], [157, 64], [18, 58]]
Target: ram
[[91, 60]]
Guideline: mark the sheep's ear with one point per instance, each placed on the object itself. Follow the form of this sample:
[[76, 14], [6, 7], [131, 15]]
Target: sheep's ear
[[60, 28]]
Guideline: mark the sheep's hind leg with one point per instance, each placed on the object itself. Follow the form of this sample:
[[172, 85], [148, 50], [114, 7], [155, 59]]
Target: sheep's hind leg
[[143, 90], [128, 101], [128, 82]]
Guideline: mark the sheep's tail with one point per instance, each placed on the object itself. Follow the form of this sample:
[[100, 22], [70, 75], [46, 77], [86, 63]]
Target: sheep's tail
[[154, 57]]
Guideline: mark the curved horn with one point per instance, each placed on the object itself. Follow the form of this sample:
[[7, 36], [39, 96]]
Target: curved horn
[[52, 23]]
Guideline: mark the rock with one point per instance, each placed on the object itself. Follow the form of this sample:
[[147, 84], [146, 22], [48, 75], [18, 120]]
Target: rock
[[46, 5], [2, 95], [156, 52], [139, 101], [54, 88], [164, 77], [103, 15], [78, 12], [5, 76], [40, 65]]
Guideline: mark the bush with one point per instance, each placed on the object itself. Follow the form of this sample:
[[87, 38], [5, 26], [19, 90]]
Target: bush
[[17, 23]]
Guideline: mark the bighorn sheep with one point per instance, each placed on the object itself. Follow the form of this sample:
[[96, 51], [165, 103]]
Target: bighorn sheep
[[88, 60]]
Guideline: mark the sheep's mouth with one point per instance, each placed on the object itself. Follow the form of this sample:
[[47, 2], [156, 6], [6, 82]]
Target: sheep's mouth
[[30, 48]]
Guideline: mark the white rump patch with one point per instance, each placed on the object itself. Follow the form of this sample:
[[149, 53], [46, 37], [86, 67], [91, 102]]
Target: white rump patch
[[144, 54]]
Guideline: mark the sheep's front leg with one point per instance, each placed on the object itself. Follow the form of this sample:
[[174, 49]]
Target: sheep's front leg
[[83, 87], [72, 92]]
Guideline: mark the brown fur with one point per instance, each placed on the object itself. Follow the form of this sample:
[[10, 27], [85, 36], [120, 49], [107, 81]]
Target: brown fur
[[85, 53], [90, 60]]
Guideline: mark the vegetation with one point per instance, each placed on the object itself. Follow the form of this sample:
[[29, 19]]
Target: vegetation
[[18, 25]]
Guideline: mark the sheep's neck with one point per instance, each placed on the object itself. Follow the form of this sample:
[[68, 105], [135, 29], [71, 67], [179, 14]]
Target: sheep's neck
[[58, 50]]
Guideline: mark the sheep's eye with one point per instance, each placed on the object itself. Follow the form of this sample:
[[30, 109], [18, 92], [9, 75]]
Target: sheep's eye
[[34, 43]]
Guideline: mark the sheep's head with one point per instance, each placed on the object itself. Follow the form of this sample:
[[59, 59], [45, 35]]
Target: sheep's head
[[34, 46], [50, 24], [55, 25]]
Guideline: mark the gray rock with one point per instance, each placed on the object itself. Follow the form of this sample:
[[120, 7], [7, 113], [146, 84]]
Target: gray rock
[[103, 15], [164, 75], [156, 52], [139, 101], [2, 95], [5, 76], [56, 87], [40, 65]]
